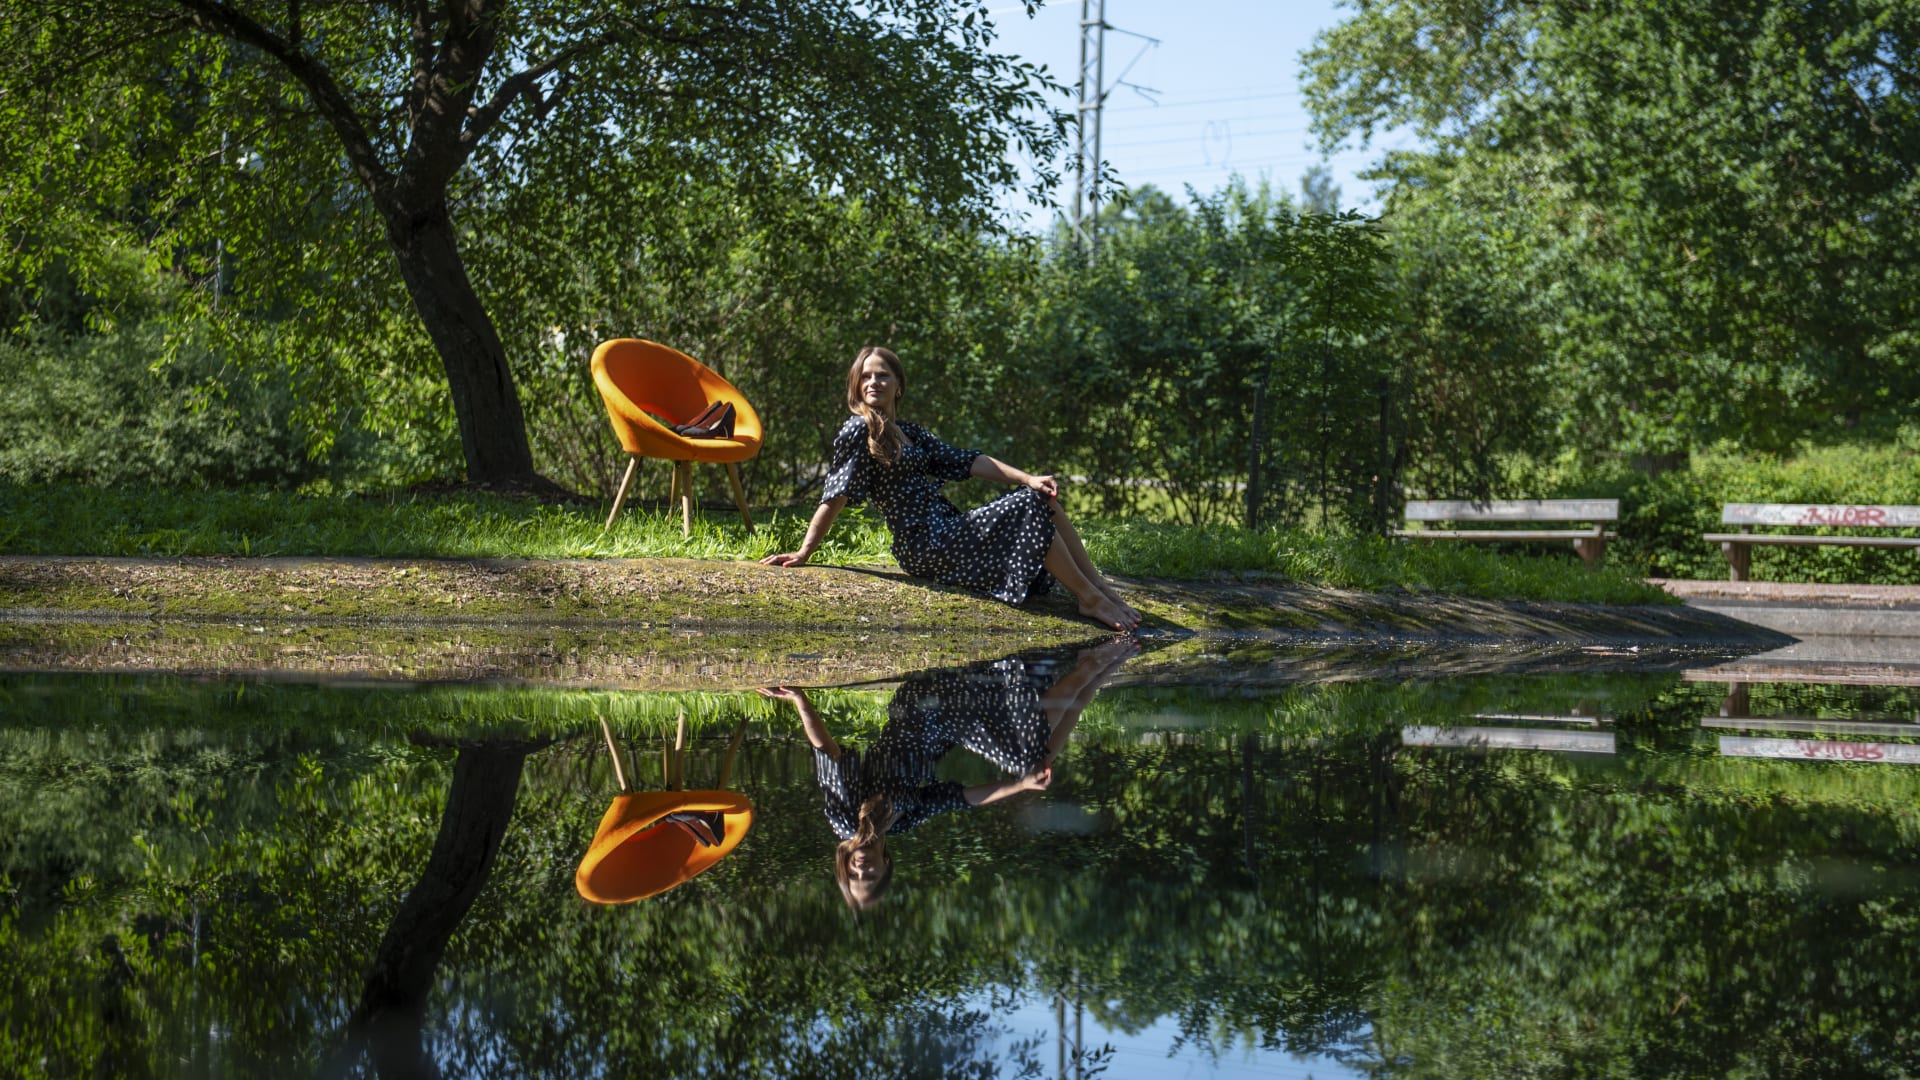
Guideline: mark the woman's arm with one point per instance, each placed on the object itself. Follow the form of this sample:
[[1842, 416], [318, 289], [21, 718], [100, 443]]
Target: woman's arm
[[817, 733], [992, 468], [982, 794], [816, 534]]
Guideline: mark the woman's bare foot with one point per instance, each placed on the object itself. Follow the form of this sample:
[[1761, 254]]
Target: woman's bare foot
[[1103, 609], [1113, 594]]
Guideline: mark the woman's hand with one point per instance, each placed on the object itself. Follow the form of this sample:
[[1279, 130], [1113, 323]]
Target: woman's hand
[[1037, 780], [787, 694], [817, 527], [1045, 485]]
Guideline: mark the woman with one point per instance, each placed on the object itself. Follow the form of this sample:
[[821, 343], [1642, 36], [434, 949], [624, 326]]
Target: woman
[[1017, 713], [1013, 547]]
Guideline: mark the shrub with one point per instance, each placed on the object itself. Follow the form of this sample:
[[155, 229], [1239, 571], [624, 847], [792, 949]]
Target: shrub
[[98, 409], [1662, 518]]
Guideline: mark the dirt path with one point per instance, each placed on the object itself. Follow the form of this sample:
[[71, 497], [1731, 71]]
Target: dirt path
[[691, 622]]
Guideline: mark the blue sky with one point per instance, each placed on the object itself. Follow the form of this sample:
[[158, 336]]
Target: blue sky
[[1228, 76]]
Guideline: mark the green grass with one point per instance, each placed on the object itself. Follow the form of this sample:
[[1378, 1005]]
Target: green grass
[[74, 520]]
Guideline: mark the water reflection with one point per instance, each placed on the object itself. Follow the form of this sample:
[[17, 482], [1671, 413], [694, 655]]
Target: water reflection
[[1016, 713], [388, 1021], [1863, 733], [651, 841], [221, 879]]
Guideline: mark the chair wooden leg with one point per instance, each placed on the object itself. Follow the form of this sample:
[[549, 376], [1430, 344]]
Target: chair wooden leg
[[678, 779], [739, 494], [673, 483], [733, 751], [633, 463], [614, 752], [686, 498]]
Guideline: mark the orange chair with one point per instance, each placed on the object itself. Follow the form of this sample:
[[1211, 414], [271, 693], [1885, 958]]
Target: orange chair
[[637, 378], [637, 853]]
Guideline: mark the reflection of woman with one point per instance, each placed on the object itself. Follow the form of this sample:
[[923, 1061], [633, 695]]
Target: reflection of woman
[[1010, 549], [1015, 713]]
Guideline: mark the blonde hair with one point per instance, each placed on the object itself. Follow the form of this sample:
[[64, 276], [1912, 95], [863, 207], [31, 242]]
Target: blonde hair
[[875, 815], [884, 440]]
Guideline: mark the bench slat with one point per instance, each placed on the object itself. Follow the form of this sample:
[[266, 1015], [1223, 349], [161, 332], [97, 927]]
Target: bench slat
[[1811, 514], [1514, 510], [1838, 727], [1505, 534], [1812, 541]]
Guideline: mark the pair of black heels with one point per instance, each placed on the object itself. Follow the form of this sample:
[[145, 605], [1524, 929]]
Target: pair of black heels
[[715, 423], [707, 827]]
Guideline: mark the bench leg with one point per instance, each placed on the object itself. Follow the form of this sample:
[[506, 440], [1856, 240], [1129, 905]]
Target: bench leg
[[1591, 550], [1736, 703], [1739, 558]]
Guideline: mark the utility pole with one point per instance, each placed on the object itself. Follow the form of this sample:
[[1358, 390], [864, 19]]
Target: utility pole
[[1086, 164], [1093, 90]]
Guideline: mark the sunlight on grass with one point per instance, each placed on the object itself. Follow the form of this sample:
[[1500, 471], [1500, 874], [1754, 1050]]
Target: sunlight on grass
[[68, 520]]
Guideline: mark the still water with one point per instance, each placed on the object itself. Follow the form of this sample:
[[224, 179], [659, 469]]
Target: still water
[[1615, 872]]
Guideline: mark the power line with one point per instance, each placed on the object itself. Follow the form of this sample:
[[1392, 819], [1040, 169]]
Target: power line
[[1207, 101], [1229, 132], [1188, 121]]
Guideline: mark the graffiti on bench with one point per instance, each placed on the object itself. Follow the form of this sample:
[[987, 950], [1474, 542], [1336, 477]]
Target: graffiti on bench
[[1828, 515], [1820, 750], [1844, 515]]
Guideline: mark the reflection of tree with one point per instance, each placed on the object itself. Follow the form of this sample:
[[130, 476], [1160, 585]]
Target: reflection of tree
[[392, 1008], [1666, 912]]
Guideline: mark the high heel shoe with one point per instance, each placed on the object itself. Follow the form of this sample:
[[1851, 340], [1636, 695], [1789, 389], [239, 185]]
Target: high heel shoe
[[714, 427], [708, 420], [708, 828]]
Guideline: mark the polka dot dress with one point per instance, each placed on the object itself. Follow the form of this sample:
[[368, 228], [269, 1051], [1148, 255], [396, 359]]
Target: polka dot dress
[[993, 710], [998, 549]]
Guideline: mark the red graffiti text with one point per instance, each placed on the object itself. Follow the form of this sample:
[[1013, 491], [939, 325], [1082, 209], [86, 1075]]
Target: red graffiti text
[[1844, 515], [1865, 751]]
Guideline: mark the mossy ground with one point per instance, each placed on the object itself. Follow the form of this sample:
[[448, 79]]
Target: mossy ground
[[685, 621]]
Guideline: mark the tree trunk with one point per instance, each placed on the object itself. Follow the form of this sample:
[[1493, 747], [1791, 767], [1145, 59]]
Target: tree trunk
[[493, 430], [392, 1008]]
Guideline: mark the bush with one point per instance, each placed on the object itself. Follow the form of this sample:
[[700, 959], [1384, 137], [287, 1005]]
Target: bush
[[97, 409], [1662, 518]]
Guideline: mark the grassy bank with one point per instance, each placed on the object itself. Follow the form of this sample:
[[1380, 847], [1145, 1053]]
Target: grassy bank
[[73, 520]]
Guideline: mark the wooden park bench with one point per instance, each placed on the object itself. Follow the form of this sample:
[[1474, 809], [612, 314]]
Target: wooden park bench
[[1590, 542], [1738, 547]]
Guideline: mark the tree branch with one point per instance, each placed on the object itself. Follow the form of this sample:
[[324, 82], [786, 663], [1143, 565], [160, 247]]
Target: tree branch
[[485, 116], [214, 17], [437, 146], [422, 45]]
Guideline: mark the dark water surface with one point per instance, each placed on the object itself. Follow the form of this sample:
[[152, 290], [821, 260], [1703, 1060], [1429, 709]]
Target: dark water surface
[[1609, 873]]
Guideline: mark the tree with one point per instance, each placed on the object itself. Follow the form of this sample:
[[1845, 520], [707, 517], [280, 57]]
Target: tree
[[275, 135], [1719, 200], [1215, 350]]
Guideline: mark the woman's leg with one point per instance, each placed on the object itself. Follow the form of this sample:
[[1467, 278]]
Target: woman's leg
[[1094, 603], [1068, 697], [1064, 529]]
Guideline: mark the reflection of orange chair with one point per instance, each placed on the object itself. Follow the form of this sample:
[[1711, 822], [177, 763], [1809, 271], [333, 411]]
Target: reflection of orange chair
[[640, 377], [637, 853]]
